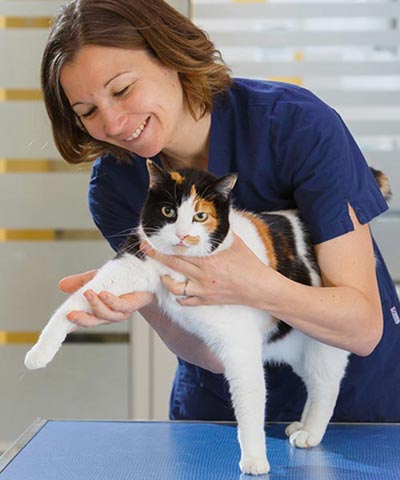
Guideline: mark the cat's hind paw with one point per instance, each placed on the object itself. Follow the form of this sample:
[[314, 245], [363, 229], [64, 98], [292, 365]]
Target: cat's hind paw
[[38, 357], [304, 439], [254, 465], [292, 428]]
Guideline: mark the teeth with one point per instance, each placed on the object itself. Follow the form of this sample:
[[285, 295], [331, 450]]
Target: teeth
[[137, 132]]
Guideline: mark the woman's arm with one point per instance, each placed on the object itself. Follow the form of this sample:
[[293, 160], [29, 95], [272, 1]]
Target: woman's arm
[[345, 312]]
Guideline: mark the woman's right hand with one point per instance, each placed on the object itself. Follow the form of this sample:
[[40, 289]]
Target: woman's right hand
[[106, 308]]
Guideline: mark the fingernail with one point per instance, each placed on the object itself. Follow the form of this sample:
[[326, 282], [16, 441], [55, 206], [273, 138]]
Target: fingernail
[[103, 296], [89, 296]]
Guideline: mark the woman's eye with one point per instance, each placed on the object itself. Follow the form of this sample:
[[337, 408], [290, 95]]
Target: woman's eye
[[87, 114], [200, 217], [121, 92], [168, 212]]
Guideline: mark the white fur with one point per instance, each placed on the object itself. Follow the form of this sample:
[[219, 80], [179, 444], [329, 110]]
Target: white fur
[[235, 333]]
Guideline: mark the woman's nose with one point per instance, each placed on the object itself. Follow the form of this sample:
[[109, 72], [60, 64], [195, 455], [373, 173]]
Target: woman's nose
[[114, 122]]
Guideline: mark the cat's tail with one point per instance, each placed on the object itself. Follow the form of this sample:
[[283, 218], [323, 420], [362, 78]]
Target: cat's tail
[[383, 183]]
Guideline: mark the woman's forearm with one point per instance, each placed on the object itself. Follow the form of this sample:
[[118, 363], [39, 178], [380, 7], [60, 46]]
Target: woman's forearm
[[183, 344], [340, 316]]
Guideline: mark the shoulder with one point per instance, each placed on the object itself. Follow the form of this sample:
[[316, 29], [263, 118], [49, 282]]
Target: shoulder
[[275, 95], [278, 105]]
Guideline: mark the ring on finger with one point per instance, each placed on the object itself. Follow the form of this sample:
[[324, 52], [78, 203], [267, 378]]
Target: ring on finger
[[185, 288]]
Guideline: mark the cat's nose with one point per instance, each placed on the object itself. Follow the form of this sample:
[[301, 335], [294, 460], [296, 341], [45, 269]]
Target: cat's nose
[[181, 237]]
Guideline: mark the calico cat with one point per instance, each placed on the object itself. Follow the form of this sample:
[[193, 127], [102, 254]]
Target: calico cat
[[195, 206]]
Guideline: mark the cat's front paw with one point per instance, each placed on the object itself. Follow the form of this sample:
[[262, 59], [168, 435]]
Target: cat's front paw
[[39, 356], [304, 439], [254, 465]]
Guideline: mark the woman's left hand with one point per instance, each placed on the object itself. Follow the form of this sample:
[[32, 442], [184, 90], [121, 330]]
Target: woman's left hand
[[228, 277]]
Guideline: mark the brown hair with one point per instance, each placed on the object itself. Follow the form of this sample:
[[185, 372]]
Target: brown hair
[[150, 25]]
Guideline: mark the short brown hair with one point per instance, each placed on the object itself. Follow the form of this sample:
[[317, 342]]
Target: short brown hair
[[150, 25]]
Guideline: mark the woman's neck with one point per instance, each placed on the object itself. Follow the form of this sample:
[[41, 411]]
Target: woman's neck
[[191, 147]]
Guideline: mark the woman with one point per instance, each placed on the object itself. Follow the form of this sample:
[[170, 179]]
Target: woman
[[128, 79]]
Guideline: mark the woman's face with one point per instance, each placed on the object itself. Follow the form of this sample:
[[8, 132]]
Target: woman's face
[[125, 97]]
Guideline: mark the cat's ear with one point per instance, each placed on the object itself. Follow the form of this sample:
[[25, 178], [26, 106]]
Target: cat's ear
[[156, 174], [224, 185]]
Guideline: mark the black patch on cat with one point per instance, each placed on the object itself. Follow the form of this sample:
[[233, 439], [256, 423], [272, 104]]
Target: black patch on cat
[[132, 246], [289, 263]]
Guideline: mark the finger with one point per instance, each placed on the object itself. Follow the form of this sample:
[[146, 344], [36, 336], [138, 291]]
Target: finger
[[191, 301], [186, 265], [84, 319], [101, 310], [126, 304], [175, 287], [73, 282]]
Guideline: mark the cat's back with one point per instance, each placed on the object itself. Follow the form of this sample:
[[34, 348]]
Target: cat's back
[[281, 240]]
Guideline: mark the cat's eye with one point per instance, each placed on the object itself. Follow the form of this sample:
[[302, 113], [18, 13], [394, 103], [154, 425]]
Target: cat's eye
[[200, 217], [168, 212]]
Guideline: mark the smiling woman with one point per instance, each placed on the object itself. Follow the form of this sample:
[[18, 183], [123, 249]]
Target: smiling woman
[[146, 48]]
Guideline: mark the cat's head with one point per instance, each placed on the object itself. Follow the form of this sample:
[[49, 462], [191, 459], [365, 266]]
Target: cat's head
[[186, 211]]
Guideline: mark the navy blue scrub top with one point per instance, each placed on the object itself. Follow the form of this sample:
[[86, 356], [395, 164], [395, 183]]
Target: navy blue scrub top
[[290, 150]]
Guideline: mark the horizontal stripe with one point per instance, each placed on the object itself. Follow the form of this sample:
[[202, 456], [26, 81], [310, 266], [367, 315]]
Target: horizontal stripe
[[30, 338], [286, 39], [18, 338], [249, 1], [40, 165], [13, 235], [24, 22], [313, 68], [303, 10], [23, 95], [294, 80]]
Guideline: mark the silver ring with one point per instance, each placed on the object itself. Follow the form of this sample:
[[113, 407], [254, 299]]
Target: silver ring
[[185, 287]]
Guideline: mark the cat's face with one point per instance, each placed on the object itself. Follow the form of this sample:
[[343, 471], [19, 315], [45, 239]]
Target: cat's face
[[187, 211]]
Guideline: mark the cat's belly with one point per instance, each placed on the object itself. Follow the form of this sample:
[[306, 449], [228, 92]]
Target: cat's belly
[[217, 323]]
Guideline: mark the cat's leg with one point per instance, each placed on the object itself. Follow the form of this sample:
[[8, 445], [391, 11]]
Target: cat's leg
[[322, 372], [119, 276], [295, 426], [245, 374]]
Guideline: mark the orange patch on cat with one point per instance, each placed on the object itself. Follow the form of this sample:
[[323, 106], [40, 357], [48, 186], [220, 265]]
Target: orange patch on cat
[[192, 240], [177, 177], [265, 235], [201, 205]]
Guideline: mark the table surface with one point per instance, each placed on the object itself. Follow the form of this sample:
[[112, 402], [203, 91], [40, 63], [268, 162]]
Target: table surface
[[105, 450]]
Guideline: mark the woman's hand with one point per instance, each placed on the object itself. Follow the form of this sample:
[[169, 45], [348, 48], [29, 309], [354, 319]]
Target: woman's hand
[[106, 308], [229, 277]]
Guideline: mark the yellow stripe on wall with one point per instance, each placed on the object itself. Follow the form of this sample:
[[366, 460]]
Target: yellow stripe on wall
[[249, 1], [23, 95], [295, 80], [24, 22], [18, 338], [40, 165], [30, 338], [14, 235]]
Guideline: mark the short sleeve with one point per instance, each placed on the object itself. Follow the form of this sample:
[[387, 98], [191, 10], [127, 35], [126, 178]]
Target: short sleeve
[[112, 214], [318, 160]]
